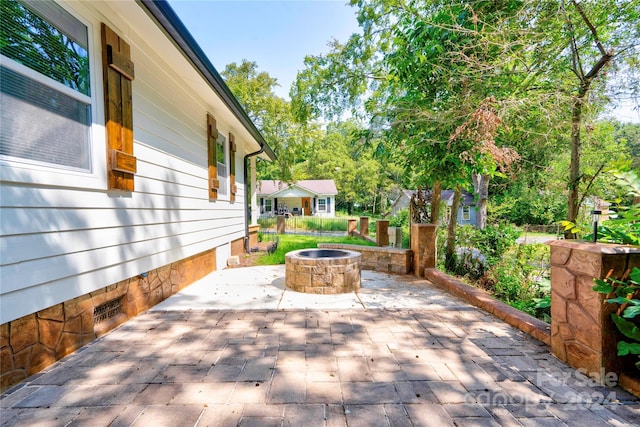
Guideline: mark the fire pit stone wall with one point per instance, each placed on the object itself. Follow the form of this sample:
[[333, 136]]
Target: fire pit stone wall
[[322, 271]]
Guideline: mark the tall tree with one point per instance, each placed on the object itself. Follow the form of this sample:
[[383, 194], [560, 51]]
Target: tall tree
[[272, 115]]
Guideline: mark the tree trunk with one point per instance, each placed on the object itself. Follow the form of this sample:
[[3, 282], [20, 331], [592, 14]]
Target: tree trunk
[[574, 167], [449, 255], [373, 209], [481, 188], [435, 202]]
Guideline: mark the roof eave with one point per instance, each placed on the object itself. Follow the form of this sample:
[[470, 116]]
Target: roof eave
[[171, 24]]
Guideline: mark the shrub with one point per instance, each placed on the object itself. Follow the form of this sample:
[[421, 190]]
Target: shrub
[[479, 250], [627, 293], [519, 279]]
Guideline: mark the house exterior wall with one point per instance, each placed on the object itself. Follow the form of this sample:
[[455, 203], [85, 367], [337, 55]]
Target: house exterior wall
[[64, 235], [472, 216], [403, 203], [292, 202]]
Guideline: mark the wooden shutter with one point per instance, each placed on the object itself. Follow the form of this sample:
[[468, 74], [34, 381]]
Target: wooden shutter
[[117, 74], [212, 144], [232, 167]]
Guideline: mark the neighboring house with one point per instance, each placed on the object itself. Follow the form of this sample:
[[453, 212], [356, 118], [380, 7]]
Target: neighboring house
[[466, 211], [315, 197], [122, 166], [595, 203]]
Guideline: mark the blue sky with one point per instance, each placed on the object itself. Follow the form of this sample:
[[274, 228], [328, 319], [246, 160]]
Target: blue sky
[[277, 35]]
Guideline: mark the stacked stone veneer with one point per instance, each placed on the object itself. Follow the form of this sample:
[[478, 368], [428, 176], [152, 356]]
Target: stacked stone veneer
[[384, 259], [33, 342], [423, 245], [582, 332], [322, 275]]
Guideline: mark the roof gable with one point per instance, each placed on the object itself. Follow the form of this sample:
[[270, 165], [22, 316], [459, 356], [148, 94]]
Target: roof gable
[[320, 187]]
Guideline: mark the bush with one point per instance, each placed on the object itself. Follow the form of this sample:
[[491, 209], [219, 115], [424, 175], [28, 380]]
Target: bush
[[479, 250], [520, 279], [491, 259]]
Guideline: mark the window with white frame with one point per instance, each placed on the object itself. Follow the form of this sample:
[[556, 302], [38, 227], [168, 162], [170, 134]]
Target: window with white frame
[[223, 170], [322, 205], [466, 213], [268, 203], [45, 75]]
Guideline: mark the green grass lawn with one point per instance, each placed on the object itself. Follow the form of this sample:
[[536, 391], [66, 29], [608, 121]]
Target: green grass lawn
[[292, 242]]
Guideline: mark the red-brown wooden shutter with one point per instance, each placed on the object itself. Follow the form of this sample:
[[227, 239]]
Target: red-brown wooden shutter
[[118, 73], [232, 160], [212, 143]]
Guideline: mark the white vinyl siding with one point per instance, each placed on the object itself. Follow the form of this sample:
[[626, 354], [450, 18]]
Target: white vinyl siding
[[60, 242]]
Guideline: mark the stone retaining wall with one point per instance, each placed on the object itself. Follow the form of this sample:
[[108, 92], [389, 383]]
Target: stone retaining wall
[[31, 343], [383, 259]]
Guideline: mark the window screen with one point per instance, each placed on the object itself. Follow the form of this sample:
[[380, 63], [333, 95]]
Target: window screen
[[41, 120]]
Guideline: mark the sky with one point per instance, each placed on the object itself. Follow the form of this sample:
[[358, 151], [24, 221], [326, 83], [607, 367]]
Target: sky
[[277, 35]]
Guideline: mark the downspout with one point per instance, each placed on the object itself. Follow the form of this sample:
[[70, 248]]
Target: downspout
[[246, 197]]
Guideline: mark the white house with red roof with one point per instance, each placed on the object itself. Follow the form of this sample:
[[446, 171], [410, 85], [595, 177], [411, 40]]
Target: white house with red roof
[[312, 197]]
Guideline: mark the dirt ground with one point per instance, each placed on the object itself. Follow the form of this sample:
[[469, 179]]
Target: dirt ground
[[250, 260]]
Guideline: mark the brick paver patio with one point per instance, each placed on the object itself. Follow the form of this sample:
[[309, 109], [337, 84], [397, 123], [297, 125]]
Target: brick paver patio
[[423, 358]]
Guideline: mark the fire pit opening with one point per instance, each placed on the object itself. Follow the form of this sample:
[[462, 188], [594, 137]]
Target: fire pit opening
[[323, 253], [323, 271]]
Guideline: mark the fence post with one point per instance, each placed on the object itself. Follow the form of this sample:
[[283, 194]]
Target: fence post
[[280, 224], [364, 226], [351, 226], [382, 232]]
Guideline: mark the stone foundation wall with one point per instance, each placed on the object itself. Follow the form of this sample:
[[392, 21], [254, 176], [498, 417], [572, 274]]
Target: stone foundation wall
[[582, 332], [384, 259], [31, 343]]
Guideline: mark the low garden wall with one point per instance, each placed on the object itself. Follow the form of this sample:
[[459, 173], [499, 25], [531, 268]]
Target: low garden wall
[[383, 259]]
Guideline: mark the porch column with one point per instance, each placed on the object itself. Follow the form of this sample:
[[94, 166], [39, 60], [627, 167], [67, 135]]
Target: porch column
[[255, 209]]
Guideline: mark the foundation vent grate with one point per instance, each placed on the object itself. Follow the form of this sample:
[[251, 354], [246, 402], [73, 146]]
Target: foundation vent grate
[[107, 310]]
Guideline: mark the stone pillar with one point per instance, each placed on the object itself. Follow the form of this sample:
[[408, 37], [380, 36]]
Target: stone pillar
[[352, 226], [582, 332], [280, 225], [382, 232], [423, 245], [364, 226]]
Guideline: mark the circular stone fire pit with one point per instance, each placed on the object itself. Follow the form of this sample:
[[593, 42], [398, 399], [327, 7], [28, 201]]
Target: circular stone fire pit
[[323, 271]]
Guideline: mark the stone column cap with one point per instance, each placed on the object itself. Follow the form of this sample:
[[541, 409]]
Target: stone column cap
[[600, 248]]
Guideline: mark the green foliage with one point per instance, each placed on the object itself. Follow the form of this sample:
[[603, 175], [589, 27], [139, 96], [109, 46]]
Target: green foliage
[[495, 240], [627, 301], [520, 279], [479, 250], [419, 70], [292, 242], [400, 219], [517, 274]]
